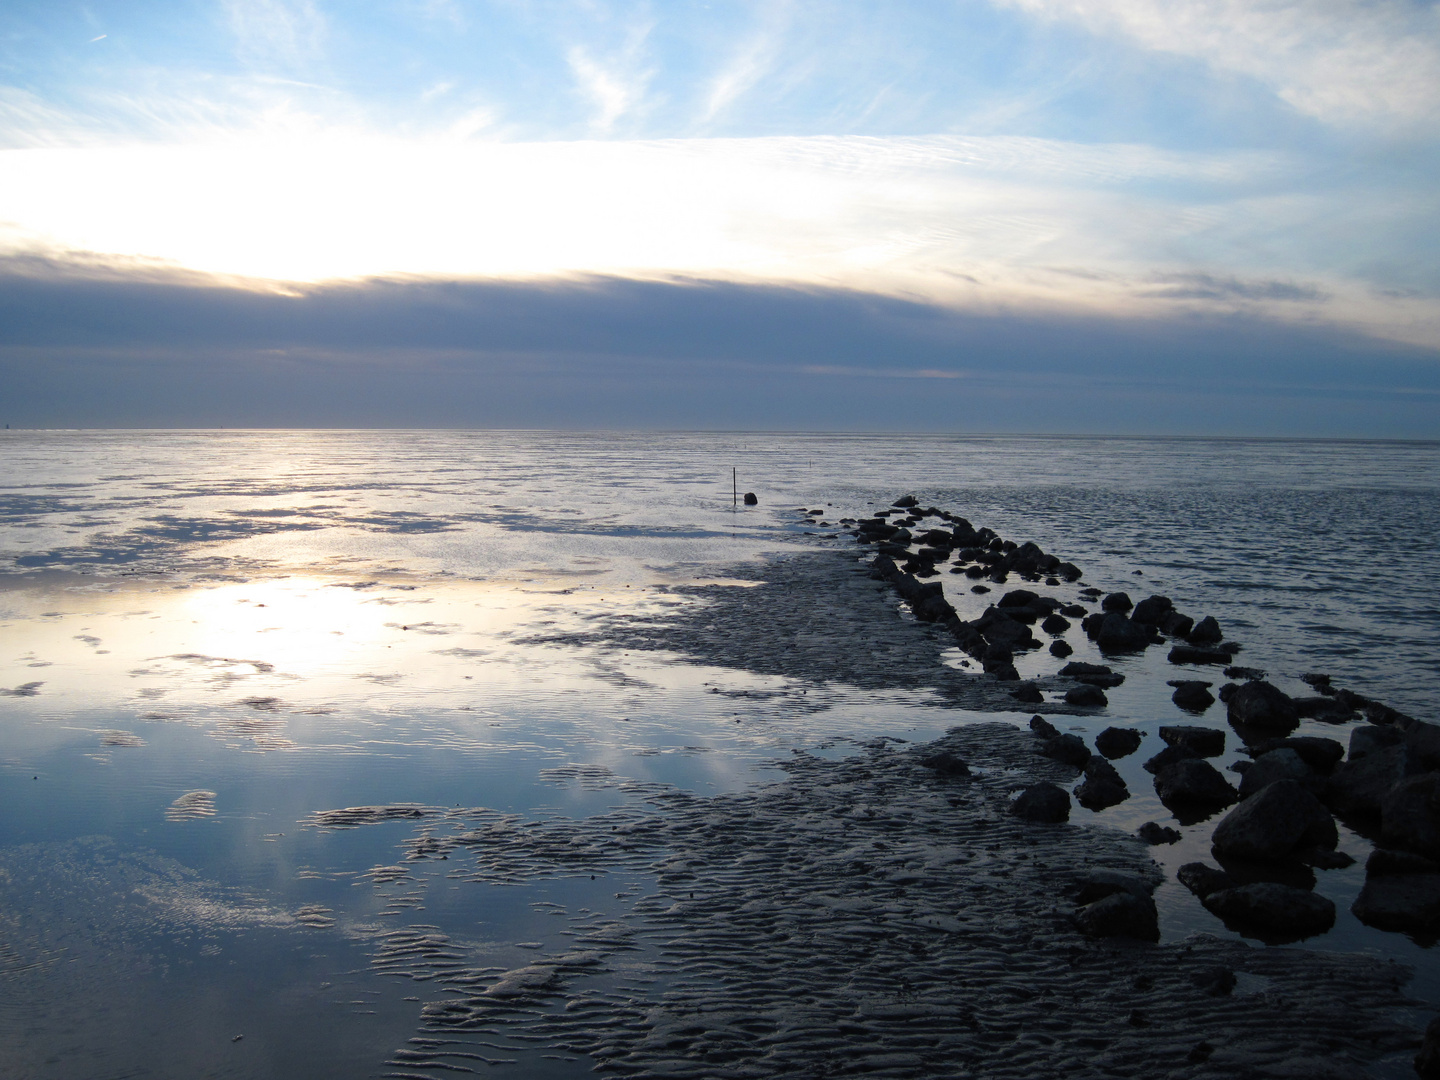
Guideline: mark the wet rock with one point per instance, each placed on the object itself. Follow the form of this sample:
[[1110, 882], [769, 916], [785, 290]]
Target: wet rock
[[1282, 764], [1017, 598], [1094, 674], [905, 502], [1061, 649], [1325, 710], [1152, 611], [1121, 914], [1167, 757], [1192, 695], [1213, 980], [1205, 632], [1086, 696], [1198, 741], [1358, 785], [1102, 785], [1247, 673], [1423, 742], [1261, 707], [1203, 880], [1116, 601], [1410, 815], [1154, 833], [946, 763], [1173, 624], [1280, 911], [1192, 654], [1070, 749], [1116, 742], [1045, 802], [1072, 611], [1069, 571], [1322, 755], [1003, 672], [1405, 903], [1042, 727], [1098, 884], [1427, 1062], [1277, 822], [1055, 623], [1373, 737], [997, 627], [751, 499], [1028, 694], [1117, 634], [1193, 785]]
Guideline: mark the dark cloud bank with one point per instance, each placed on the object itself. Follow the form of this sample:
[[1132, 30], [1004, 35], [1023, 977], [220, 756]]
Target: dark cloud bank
[[111, 349]]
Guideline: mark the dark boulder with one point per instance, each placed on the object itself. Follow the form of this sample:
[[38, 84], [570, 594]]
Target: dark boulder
[[1423, 743], [1017, 598], [1055, 623], [1192, 695], [1003, 672], [1358, 785], [1116, 742], [1154, 833], [1069, 571], [1098, 884], [1261, 707], [1427, 1062], [1410, 815], [1324, 709], [1061, 649], [1173, 624], [1322, 755], [1192, 654], [1193, 787], [751, 499], [1116, 601], [1094, 674], [1250, 674], [932, 607], [1279, 821], [1086, 696], [1282, 764], [1121, 914], [1028, 694], [1070, 749], [1042, 727], [1117, 634], [1000, 628], [1199, 741], [1406, 903], [1044, 802], [1167, 757], [1205, 632], [1152, 612], [1384, 861], [905, 502], [1373, 737], [946, 763], [1102, 785], [1277, 912], [1203, 880]]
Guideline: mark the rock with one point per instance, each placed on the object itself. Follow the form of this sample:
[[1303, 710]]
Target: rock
[[1027, 694], [750, 499], [1154, 833], [1061, 649], [1261, 707], [1325, 710], [1043, 802], [1098, 884], [1427, 1062], [1373, 737], [1121, 914], [1069, 571], [1281, 911], [1116, 601], [1102, 785], [1192, 695], [1278, 822], [1322, 755], [1152, 611], [1193, 784], [1283, 764], [946, 764], [1167, 757], [999, 628], [1003, 672], [1173, 624], [1094, 674], [1017, 598], [1191, 654], [1248, 673], [1086, 696], [1203, 880], [1116, 742], [1360, 784], [1205, 632], [1407, 903], [1117, 634], [1410, 815], [1042, 727], [1384, 861], [1055, 623], [1326, 860], [1199, 741], [1215, 980], [1070, 749], [1423, 743]]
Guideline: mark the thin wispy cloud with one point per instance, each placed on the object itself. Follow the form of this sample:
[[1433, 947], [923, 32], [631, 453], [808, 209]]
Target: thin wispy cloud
[[282, 33]]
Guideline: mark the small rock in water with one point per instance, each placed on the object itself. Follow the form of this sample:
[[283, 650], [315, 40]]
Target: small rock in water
[[1198, 741], [1086, 696], [1102, 786], [1192, 695], [1027, 694], [1279, 821], [1061, 649], [946, 764], [1042, 727], [1043, 802], [750, 499], [1193, 785], [1116, 601], [1121, 914], [1116, 742], [1278, 912], [1410, 815], [1282, 764], [1070, 749], [1203, 880], [1205, 632], [1427, 1062], [1154, 833], [1259, 706]]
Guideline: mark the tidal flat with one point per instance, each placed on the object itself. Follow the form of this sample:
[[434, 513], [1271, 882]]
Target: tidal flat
[[358, 754]]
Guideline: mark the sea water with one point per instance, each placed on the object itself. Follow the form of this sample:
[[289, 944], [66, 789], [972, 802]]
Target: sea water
[[207, 638]]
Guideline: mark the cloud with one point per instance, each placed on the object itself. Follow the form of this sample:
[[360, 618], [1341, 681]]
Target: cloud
[[279, 33], [1210, 287], [615, 81], [1341, 61]]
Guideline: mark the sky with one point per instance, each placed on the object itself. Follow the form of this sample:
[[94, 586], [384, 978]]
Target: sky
[[1111, 216]]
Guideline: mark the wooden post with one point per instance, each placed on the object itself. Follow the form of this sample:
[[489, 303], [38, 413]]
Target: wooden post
[[734, 488]]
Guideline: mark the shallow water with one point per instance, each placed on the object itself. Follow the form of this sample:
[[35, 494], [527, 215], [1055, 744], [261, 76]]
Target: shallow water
[[208, 637]]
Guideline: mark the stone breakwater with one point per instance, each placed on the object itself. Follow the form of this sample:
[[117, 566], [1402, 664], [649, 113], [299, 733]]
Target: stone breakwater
[[885, 915]]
